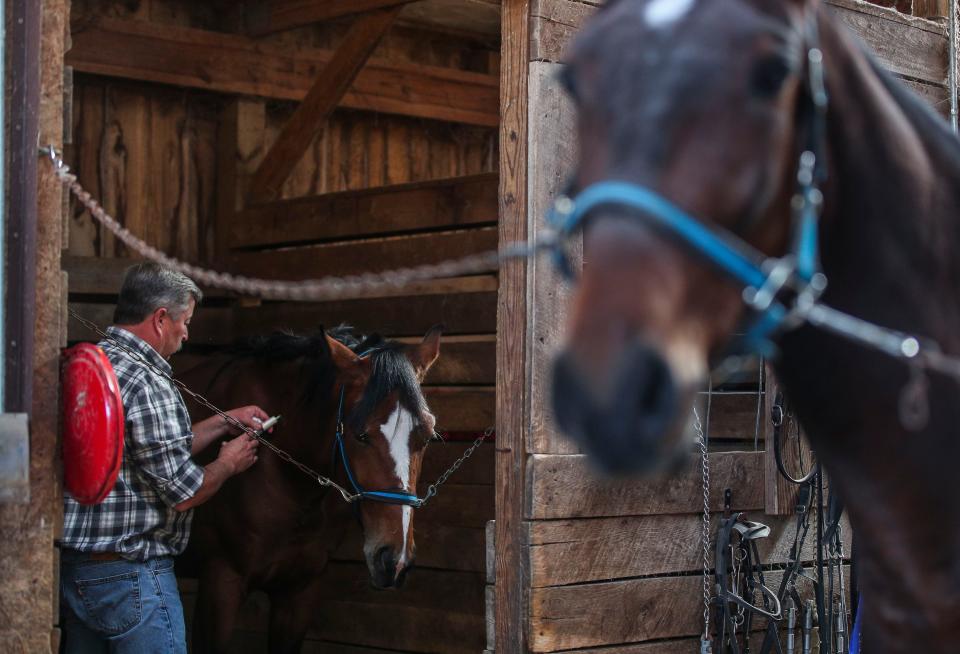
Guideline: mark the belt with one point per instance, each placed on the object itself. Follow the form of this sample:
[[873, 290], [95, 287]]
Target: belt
[[104, 556], [93, 556]]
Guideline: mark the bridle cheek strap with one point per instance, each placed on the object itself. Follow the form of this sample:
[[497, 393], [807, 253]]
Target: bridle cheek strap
[[764, 279], [384, 496]]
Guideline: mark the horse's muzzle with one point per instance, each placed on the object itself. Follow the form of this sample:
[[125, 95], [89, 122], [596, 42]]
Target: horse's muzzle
[[623, 428], [384, 573]]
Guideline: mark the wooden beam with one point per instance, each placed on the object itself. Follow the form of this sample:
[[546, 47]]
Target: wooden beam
[[457, 201], [566, 486], [366, 256], [513, 400], [234, 64], [269, 16], [327, 91]]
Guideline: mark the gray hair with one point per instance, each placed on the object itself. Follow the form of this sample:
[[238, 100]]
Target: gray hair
[[149, 286]]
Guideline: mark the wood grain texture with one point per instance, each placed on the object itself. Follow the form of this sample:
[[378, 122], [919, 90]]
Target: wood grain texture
[[908, 46], [510, 615], [613, 613], [576, 551], [320, 101], [150, 156], [235, 64], [277, 15], [460, 312], [435, 204], [551, 161], [363, 256], [565, 486]]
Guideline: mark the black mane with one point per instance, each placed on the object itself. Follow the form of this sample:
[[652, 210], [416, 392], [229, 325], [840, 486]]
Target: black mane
[[392, 370]]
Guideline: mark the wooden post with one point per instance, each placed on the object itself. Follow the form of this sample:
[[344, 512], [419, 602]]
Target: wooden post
[[512, 338], [931, 8], [309, 119]]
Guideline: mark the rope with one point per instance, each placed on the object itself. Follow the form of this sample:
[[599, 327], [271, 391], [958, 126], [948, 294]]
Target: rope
[[321, 289]]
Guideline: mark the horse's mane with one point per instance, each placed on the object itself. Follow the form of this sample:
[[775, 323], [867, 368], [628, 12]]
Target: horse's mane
[[391, 369]]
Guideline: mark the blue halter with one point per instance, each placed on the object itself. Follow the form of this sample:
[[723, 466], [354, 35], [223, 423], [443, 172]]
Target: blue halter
[[768, 282], [384, 496]]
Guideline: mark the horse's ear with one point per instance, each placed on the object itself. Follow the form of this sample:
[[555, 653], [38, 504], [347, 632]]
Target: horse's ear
[[422, 356], [341, 355]]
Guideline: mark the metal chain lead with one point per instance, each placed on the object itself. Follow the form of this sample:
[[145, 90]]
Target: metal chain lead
[[326, 288], [435, 486], [705, 646], [310, 472]]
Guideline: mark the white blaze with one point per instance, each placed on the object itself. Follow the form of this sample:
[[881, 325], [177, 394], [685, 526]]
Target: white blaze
[[397, 431], [661, 13]]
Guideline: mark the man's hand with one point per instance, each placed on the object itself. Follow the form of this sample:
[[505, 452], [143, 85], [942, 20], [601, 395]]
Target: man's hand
[[252, 416], [239, 454]]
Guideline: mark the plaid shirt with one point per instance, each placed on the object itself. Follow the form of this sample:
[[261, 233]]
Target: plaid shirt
[[137, 518]]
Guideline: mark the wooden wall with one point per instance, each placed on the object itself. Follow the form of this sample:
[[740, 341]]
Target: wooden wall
[[602, 566], [404, 173]]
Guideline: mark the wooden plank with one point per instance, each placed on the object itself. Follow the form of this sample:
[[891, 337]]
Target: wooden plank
[[268, 16], [734, 416], [550, 160], [323, 97], [460, 313], [908, 46], [513, 400], [211, 325], [103, 276], [672, 646], [405, 628], [478, 469], [234, 64], [459, 505], [462, 408], [459, 201], [628, 611], [565, 486], [576, 551], [439, 546], [369, 255], [464, 312]]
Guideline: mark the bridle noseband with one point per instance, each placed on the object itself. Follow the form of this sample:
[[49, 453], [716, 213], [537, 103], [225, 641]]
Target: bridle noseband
[[384, 496], [776, 290]]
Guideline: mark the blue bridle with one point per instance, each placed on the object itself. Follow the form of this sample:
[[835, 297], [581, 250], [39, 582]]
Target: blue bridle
[[384, 496], [773, 287]]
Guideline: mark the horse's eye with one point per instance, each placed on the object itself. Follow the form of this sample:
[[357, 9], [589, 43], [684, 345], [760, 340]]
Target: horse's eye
[[363, 437], [768, 76]]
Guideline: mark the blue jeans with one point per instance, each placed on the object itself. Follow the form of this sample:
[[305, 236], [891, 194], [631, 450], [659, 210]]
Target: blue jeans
[[120, 607]]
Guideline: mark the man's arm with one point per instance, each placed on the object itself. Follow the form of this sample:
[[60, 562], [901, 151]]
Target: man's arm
[[215, 427], [235, 456]]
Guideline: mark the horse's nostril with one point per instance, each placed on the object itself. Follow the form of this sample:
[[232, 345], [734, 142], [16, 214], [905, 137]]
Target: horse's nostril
[[621, 429]]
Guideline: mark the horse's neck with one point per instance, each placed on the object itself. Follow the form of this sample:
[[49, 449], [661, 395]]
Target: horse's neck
[[890, 228], [891, 225]]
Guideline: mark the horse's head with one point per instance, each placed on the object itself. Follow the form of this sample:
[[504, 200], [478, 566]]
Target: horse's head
[[698, 101], [385, 430]]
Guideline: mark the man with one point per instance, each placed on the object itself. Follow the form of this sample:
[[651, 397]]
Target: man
[[118, 589]]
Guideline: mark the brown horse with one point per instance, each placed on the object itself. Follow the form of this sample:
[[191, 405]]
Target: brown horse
[[708, 104], [273, 527]]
